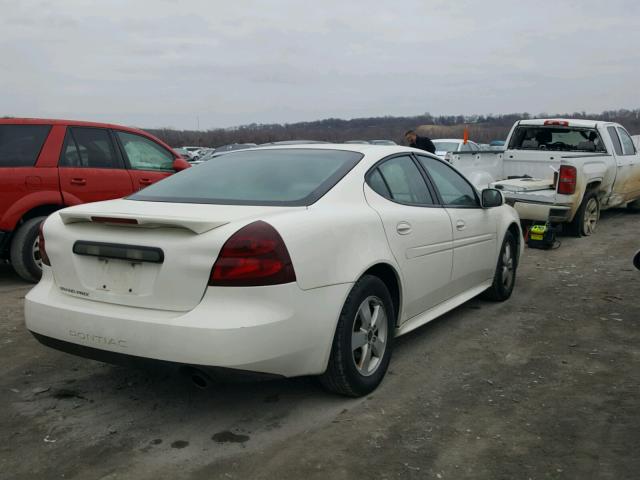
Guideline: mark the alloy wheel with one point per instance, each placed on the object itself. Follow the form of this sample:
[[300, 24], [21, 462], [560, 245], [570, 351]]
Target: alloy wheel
[[591, 216], [369, 336], [508, 265]]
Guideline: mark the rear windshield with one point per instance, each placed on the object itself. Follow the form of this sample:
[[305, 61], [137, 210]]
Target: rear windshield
[[21, 144], [292, 177], [446, 146], [564, 139]]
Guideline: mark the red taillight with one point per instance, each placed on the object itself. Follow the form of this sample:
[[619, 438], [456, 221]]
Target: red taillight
[[41, 246], [255, 255], [559, 123], [567, 180]]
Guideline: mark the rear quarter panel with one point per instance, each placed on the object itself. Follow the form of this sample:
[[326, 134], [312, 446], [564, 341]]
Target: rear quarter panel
[[333, 244]]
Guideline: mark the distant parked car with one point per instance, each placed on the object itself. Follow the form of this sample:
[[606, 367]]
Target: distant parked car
[[234, 146], [382, 142], [186, 154], [222, 151], [46, 165], [445, 145], [292, 142]]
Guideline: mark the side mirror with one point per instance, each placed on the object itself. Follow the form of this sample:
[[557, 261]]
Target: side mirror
[[492, 197], [180, 164], [636, 260]]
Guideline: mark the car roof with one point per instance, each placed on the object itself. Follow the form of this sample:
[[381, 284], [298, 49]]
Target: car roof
[[77, 123]]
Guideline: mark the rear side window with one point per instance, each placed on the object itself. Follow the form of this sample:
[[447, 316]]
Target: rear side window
[[627, 144], [405, 182], [563, 139], [20, 145], [88, 148], [376, 182], [280, 177]]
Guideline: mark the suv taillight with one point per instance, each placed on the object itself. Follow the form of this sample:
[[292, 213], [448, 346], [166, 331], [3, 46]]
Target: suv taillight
[[41, 246], [253, 256], [567, 180]]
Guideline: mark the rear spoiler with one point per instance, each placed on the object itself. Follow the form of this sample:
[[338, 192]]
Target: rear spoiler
[[147, 221]]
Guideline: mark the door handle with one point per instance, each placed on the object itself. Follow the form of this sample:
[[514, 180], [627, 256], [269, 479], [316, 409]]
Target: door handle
[[78, 181], [145, 181], [403, 228], [460, 225]]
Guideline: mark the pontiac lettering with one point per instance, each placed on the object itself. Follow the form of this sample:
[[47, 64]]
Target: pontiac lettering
[[98, 339]]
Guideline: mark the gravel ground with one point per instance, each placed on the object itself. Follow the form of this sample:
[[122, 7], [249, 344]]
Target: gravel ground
[[544, 386]]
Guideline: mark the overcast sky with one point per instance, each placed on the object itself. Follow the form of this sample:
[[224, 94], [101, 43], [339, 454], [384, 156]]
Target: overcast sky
[[167, 63]]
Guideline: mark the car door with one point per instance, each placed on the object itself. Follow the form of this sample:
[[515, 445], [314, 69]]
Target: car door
[[418, 231], [90, 167], [474, 228], [628, 163], [147, 160]]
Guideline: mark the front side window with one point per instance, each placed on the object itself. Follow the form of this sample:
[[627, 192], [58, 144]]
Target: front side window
[[453, 188], [145, 154], [627, 144], [269, 176], [88, 148], [404, 181], [20, 145], [617, 146]]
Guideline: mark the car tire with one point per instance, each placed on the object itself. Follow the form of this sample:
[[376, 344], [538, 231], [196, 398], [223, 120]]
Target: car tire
[[357, 370], [586, 219], [504, 278], [25, 254]]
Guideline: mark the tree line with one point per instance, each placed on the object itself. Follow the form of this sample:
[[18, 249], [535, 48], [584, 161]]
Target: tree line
[[482, 128]]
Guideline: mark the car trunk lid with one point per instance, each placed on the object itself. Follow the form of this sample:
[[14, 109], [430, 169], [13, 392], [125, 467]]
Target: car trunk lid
[[162, 261]]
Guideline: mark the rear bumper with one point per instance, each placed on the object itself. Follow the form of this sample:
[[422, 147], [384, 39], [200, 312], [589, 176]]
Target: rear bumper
[[280, 330], [543, 212], [124, 359]]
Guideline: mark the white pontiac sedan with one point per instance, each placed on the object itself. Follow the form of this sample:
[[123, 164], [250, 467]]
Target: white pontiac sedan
[[287, 260]]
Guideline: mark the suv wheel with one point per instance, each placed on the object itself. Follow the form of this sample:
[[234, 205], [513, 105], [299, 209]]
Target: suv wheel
[[25, 251]]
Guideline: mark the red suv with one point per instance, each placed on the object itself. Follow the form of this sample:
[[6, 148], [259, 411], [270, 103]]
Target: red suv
[[46, 165]]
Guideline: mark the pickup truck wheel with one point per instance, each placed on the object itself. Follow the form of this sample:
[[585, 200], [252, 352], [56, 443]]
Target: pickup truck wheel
[[505, 277], [25, 251], [586, 219]]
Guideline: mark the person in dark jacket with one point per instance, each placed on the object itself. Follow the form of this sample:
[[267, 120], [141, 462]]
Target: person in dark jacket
[[423, 143]]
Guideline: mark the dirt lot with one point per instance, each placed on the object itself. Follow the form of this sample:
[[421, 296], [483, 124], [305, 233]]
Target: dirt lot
[[544, 386]]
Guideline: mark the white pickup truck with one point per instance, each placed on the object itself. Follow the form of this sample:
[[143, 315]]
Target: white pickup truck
[[560, 170]]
